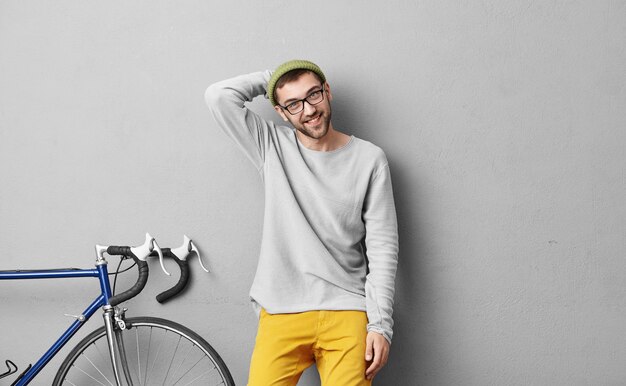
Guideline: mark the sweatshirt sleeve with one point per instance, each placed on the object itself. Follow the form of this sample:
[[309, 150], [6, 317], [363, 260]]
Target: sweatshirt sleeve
[[226, 101], [381, 242]]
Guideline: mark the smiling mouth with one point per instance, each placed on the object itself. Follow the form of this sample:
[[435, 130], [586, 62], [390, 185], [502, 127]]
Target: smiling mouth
[[314, 121]]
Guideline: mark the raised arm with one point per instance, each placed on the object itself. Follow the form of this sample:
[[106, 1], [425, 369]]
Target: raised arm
[[226, 100]]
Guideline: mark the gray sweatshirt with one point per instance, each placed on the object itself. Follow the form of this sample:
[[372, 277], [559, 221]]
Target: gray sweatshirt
[[330, 238]]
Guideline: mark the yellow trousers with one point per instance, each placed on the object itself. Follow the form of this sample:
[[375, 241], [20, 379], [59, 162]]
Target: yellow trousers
[[287, 344]]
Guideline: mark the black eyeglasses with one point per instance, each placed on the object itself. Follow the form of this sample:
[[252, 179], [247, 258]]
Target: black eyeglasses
[[314, 98]]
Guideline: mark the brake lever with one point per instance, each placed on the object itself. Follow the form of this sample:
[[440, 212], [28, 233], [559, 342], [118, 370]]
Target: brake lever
[[160, 252], [143, 251], [193, 248], [184, 250]]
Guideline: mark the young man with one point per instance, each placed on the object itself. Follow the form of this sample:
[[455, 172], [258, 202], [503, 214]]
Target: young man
[[324, 284]]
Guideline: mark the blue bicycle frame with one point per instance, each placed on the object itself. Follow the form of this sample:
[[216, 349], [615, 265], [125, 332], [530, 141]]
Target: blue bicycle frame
[[100, 272]]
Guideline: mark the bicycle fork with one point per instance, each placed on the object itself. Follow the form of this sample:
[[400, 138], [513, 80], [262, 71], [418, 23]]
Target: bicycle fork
[[114, 325]]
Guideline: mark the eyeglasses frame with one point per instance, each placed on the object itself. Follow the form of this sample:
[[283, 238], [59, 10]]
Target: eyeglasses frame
[[322, 90]]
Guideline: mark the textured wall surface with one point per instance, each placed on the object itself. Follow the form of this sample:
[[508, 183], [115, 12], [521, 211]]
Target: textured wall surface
[[504, 123]]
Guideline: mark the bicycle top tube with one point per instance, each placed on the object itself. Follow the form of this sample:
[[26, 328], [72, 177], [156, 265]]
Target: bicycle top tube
[[57, 273]]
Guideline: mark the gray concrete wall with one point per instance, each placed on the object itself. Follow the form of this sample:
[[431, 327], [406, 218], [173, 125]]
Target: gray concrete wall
[[503, 121]]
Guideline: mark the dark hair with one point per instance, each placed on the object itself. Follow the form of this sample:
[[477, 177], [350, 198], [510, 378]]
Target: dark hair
[[291, 76]]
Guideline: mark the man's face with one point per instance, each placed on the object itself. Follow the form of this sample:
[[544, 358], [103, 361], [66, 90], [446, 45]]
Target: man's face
[[314, 120]]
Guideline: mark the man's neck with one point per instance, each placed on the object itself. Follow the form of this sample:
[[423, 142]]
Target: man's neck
[[333, 140]]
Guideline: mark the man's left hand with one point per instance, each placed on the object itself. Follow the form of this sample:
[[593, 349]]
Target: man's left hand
[[376, 353]]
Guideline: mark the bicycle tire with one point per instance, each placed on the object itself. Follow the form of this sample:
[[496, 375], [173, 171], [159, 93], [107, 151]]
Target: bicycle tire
[[152, 347]]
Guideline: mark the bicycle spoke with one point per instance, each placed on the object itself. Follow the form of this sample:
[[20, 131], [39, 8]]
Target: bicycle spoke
[[172, 360], [192, 367], [97, 369], [103, 358], [148, 353], [157, 354], [182, 362], [94, 366], [134, 372], [89, 375], [138, 358], [200, 376]]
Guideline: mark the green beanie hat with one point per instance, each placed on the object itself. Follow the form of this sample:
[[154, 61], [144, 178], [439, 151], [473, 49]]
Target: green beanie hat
[[285, 68]]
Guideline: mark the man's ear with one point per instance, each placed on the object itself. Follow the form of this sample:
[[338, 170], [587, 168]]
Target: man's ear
[[280, 112], [328, 93]]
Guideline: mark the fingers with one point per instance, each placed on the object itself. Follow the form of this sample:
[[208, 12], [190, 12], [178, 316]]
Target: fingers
[[369, 348], [376, 352]]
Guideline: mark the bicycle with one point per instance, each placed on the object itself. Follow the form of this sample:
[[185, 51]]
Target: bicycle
[[139, 350]]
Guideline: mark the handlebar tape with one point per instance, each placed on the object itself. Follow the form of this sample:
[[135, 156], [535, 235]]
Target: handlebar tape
[[180, 286], [182, 281], [142, 279], [119, 251]]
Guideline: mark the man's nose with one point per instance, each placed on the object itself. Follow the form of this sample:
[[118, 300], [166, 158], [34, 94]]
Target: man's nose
[[308, 108]]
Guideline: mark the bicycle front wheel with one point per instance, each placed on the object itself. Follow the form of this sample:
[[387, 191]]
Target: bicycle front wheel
[[156, 352]]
